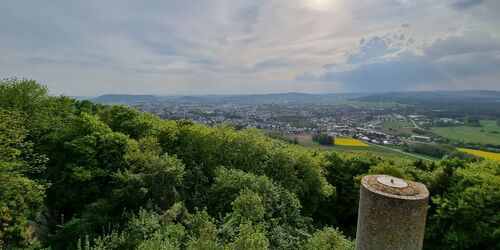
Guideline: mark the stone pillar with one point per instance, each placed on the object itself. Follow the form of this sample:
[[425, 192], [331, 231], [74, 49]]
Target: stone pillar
[[391, 214]]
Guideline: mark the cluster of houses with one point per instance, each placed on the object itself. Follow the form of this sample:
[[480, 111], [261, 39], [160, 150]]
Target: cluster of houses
[[334, 120]]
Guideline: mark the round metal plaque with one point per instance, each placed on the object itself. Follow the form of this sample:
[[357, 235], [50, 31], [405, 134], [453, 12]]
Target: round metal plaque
[[392, 182]]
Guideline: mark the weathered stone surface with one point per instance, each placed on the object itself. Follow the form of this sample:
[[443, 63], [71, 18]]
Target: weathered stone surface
[[390, 216]]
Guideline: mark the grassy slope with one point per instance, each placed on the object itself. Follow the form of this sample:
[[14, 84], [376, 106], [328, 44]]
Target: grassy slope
[[490, 132], [406, 154]]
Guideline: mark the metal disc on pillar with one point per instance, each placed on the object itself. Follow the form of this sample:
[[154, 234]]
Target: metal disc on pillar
[[391, 214]]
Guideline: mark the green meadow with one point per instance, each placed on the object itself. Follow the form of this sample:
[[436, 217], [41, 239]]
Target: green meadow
[[487, 133]]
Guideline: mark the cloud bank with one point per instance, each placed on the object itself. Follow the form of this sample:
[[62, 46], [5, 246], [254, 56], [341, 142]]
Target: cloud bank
[[457, 60], [222, 47]]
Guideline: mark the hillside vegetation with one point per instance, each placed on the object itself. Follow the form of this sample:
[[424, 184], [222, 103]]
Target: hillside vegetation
[[78, 175], [484, 154]]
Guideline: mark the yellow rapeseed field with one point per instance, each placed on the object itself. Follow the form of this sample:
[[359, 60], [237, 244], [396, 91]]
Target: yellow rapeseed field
[[480, 153], [350, 142]]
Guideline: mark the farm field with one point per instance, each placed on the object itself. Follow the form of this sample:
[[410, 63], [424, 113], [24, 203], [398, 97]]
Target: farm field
[[397, 127], [350, 142], [488, 133], [480, 153]]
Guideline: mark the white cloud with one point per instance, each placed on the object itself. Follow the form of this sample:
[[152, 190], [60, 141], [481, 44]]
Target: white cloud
[[195, 47]]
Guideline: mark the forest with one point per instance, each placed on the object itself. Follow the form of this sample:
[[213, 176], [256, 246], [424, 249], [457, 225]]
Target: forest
[[79, 175]]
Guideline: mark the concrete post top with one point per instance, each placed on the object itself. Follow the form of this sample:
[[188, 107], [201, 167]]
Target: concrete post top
[[395, 187]]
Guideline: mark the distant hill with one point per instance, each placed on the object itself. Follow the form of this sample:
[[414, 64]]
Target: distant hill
[[78, 97], [480, 102], [280, 97], [123, 98], [470, 102], [419, 97]]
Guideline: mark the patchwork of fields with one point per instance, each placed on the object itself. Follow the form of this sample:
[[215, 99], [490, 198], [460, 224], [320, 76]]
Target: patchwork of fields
[[487, 133]]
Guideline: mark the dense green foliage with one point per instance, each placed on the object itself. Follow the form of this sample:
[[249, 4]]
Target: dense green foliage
[[76, 175], [280, 136], [466, 213], [324, 139], [19, 194]]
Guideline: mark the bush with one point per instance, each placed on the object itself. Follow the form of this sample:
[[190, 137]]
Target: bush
[[328, 238], [324, 139]]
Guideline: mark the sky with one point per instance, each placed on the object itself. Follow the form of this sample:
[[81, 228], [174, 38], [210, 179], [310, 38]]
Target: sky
[[170, 47]]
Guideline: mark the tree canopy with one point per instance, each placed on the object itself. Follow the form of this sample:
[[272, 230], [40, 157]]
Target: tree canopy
[[78, 175]]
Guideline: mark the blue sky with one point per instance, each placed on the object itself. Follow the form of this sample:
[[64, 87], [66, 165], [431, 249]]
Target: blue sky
[[235, 47]]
